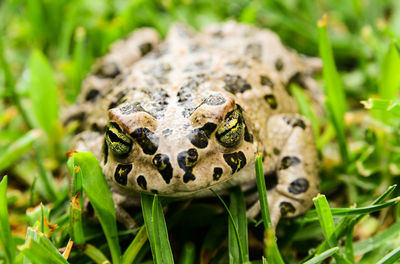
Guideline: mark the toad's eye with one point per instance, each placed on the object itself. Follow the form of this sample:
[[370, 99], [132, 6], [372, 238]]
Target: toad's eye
[[119, 143], [230, 132]]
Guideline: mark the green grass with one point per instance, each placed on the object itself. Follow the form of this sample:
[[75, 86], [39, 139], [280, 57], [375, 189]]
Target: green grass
[[48, 47]]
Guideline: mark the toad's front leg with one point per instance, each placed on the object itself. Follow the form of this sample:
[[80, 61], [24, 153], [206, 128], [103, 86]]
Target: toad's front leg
[[290, 167]]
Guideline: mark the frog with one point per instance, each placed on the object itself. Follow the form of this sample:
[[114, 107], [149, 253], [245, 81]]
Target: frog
[[188, 113]]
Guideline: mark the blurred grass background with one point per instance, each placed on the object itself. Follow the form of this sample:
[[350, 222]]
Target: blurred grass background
[[47, 48]]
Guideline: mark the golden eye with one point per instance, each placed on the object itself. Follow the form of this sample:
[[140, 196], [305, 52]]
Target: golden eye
[[117, 141], [230, 132]]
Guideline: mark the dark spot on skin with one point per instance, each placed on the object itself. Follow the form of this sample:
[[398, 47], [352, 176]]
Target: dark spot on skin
[[80, 117], [254, 51], [217, 173], [279, 64], [121, 173], [194, 47], [118, 99], [131, 108], [238, 63], [286, 208], [107, 70], [218, 34], [163, 165], [154, 191], [236, 84], [167, 132], [299, 123], [95, 127], [297, 79], [199, 136], [188, 176], [209, 128], [298, 186], [186, 161], [288, 161], [146, 139], [215, 99], [276, 151], [145, 48], [236, 161], [197, 66], [141, 181], [265, 80], [271, 179], [294, 122], [271, 101], [247, 136], [92, 95]]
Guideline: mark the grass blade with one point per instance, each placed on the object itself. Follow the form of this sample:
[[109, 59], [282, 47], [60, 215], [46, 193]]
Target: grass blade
[[43, 93], [325, 217], [357, 211], [237, 208], [134, 248], [95, 254], [341, 228], [305, 107], [390, 78], [324, 255], [188, 254], [349, 248], [75, 208], [156, 229], [45, 177], [79, 68], [96, 189], [273, 255], [75, 219], [382, 104], [369, 244], [10, 85], [18, 148], [6, 239], [327, 225], [390, 258], [41, 250], [235, 247], [336, 104]]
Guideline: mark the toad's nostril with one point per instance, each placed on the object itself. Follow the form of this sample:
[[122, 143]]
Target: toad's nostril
[[199, 136], [188, 159]]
